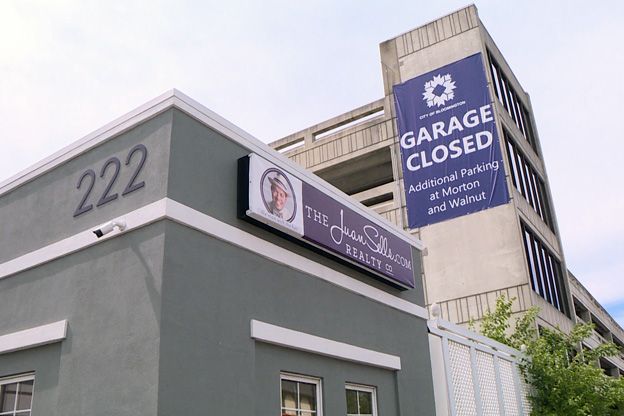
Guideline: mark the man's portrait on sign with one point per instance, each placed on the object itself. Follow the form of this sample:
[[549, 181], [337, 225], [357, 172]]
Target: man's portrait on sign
[[277, 194]]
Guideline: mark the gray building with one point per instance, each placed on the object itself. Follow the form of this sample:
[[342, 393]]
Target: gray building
[[511, 248], [136, 280]]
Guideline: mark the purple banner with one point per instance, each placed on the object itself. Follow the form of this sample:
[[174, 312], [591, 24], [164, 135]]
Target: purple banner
[[452, 161], [333, 226]]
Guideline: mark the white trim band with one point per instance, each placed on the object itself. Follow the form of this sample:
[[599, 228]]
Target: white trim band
[[182, 214], [301, 341], [33, 337], [135, 219]]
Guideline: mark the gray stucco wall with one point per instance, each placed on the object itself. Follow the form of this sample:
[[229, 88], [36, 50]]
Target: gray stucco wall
[[334, 374], [212, 290], [40, 212], [203, 176], [110, 294], [159, 317], [209, 362]]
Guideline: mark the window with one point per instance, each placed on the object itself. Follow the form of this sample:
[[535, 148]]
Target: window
[[546, 271], [511, 101], [301, 396], [16, 395], [361, 400], [527, 181]]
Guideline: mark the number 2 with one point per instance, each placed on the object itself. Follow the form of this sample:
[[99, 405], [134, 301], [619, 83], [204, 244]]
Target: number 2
[[105, 198], [81, 208]]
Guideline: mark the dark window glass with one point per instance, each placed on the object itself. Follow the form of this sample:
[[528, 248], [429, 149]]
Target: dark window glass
[[545, 277], [7, 397], [522, 166], [527, 181], [298, 397], [545, 271], [511, 156], [365, 405], [510, 99], [352, 402], [307, 396], [16, 397], [360, 401]]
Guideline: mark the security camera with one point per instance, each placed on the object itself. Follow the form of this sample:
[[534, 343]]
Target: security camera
[[110, 227]]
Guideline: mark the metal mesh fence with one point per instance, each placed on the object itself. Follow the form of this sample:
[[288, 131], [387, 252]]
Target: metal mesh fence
[[525, 390], [461, 370], [481, 376], [508, 387], [487, 383]]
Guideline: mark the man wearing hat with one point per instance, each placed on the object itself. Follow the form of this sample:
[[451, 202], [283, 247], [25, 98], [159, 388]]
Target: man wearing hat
[[279, 194]]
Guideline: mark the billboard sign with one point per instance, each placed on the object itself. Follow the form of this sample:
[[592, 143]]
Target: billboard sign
[[450, 151], [350, 235], [282, 201]]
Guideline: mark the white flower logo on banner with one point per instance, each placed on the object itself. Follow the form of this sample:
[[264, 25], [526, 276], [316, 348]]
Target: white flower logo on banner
[[439, 90]]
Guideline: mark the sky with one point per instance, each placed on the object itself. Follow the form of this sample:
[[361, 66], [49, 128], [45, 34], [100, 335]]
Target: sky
[[68, 67]]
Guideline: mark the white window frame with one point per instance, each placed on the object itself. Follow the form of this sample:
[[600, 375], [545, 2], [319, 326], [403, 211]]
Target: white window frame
[[365, 389], [18, 379], [308, 380]]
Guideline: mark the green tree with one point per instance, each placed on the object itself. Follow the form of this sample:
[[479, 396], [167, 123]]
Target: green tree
[[565, 377]]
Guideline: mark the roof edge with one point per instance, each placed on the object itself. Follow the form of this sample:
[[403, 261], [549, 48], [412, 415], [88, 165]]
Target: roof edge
[[176, 99], [106, 132]]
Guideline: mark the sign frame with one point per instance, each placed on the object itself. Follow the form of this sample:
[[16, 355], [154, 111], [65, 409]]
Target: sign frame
[[319, 220]]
